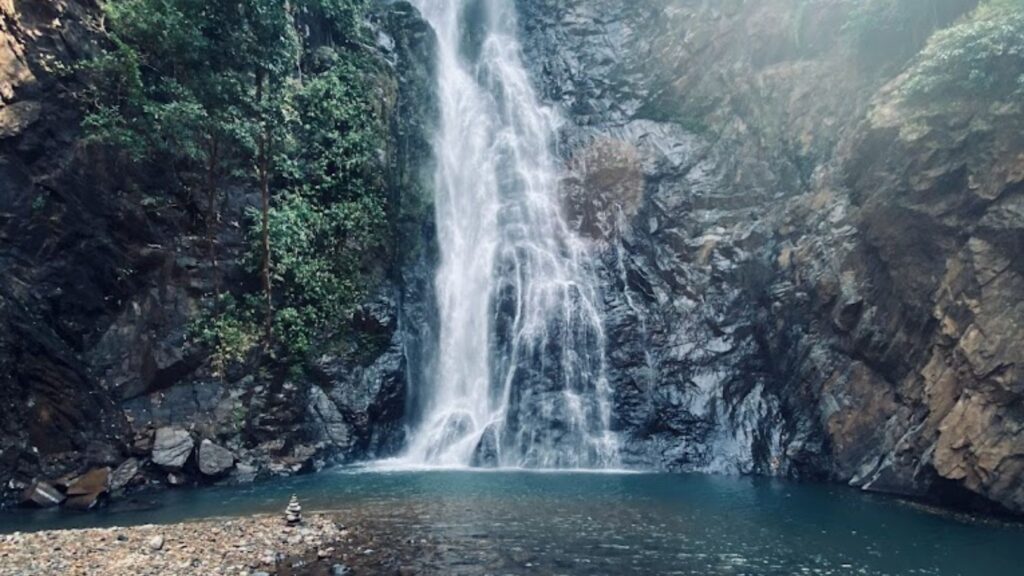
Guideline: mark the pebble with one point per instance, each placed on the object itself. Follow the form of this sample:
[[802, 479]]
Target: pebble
[[237, 548]]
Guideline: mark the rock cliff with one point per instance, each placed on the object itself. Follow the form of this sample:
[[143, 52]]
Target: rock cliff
[[99, 287], [808, 273]]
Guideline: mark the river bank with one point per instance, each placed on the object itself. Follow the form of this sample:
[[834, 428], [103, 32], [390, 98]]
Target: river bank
[[254, 546]]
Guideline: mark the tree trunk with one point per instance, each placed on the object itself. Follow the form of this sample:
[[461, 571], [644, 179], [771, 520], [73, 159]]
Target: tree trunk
[[263, 171], [212, 166]]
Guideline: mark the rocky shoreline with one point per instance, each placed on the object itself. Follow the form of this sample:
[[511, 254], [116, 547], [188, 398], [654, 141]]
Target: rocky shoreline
[[260, 545]]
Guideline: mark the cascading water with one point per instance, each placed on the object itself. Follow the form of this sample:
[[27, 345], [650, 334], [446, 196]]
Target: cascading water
[[521, 369]]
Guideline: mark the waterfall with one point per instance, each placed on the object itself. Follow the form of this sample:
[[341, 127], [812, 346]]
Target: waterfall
[[520, 376]]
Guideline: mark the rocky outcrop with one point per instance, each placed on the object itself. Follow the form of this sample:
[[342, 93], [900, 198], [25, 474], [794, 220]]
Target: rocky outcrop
[[806, 272], [102, 281]]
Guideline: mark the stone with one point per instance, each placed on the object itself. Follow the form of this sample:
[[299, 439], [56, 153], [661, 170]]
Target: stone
[[340, 570], [42, 494], [95, 481], [214, 460], [15, 118], [244, 473], [177, 478], [156, 543], [293, 513], [172, 447], [103, 454], [142, 444], [124, 474], [486, 453], [84, 501]]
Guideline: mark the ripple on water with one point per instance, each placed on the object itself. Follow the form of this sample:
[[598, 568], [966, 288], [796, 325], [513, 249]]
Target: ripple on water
[[582, 524]]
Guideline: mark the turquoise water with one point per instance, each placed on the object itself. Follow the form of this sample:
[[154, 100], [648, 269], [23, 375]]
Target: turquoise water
[[567, 523]]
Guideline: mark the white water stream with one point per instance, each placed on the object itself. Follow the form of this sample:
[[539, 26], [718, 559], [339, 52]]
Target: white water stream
[[521, 368]]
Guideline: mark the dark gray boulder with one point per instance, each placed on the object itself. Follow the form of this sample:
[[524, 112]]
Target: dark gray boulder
[[214, 460], [486, 454], [124, 474]]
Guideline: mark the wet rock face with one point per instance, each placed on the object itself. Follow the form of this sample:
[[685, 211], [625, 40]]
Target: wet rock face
[[804, 272]]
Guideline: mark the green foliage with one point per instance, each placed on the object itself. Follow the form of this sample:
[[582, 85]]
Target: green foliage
[[202, 92], [892, 31], [231, 333], [870, 16], [343, 15], [332, 212], [983, 55]]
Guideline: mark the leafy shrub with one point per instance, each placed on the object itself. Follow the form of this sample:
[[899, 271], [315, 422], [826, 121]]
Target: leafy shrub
[[231, 333], [982, 55]]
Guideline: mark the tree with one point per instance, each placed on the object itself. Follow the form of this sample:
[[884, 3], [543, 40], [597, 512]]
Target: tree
[[169, 93], [213, 93], [271, 57]]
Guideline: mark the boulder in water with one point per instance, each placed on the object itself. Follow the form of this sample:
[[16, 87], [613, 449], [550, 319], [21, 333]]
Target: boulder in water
[[171, 448]]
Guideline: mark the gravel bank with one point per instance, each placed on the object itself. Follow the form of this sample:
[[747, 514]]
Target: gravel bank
[[242, 546]]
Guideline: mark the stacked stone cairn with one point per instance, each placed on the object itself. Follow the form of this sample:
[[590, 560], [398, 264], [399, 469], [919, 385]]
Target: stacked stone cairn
[[293, 513]]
